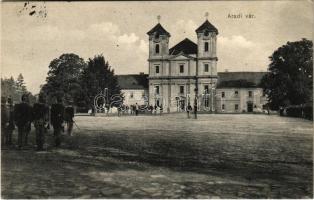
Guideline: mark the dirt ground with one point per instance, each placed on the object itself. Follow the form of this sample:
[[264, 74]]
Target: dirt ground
[[169, 156]]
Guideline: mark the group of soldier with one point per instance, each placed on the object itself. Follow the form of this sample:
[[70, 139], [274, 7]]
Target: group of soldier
[[22, 115]]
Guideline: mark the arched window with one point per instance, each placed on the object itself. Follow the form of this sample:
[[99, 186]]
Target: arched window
[[157, 48], [206, 33]]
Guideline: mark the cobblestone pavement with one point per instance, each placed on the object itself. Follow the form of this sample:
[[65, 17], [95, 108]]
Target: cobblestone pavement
[[215, 156]]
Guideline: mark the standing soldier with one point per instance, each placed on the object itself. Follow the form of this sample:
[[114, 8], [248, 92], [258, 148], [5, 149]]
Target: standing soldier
[[40, 120], [188, 110], [11, 125], [4, 119], [136, 109], [23, 118], [68, 117], [57, 115]]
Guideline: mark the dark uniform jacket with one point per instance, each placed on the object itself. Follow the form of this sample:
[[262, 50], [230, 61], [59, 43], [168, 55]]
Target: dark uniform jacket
[[69, 114], [40, 114], [22, 114], [57, 114], [4, 115]]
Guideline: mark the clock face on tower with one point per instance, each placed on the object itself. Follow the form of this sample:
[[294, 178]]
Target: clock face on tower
[[156, 38]]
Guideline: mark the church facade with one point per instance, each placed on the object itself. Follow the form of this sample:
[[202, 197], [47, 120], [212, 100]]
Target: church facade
[[179, 75], [187, 74]]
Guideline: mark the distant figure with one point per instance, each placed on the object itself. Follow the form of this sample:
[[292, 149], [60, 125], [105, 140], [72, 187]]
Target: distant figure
[[23, 118], [151, 108], [4, 119], [160, 109], [188, 110], [10, 128], [68, 117], [57, 118], [195, 110], [119, 111], [155, 109], [40, 120], [136, 109]]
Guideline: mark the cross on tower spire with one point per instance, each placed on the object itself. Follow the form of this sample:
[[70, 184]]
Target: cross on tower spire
[[158, 18], [206, 15]]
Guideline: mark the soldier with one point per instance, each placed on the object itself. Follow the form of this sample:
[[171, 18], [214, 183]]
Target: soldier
[[40, 120], [188, 110], [11, 126], [23, 118], [57, 118], [4, 119], [68, 117]]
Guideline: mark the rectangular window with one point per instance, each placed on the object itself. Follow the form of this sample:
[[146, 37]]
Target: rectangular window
[[181, 68], [131, 95], [250, 93], [236, 107], [206, 68], [157, 89], [222, 94], [223, 106], [264, 93], [157, 49], [206, 47], [206, 88], [236, 93], [157, 69], [181, 89]]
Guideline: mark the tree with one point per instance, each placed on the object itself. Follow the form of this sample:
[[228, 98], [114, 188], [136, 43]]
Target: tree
[[289, 81], [20, 84], [15, 89], [64, 78], [95, 78]]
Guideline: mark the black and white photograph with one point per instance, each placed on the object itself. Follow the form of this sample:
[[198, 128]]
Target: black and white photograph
[[157, 99]]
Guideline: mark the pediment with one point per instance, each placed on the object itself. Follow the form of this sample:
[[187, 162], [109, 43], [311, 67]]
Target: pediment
[[181, 56]]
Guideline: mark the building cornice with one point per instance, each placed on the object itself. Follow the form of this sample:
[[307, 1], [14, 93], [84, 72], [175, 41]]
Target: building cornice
[[180, 77]]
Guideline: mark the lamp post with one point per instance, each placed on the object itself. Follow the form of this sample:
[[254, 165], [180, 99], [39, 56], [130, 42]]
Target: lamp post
[[195, 103]]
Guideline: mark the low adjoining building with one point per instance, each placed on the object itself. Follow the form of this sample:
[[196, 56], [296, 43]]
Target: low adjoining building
[[134, 88]]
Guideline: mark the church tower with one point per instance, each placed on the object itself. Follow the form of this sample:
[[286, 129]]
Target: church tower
[[206, 51], [158, 42]]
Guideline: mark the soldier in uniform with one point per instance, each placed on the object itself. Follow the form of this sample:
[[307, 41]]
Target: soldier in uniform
[[11, 126], [23, 118], [68, 117], [57, 118], [40, 120], [4, 119]]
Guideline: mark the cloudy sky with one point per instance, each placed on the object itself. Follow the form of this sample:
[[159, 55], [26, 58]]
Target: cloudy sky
[[118, 31]]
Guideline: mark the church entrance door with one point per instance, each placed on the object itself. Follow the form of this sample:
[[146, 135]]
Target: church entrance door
[[249, 106]]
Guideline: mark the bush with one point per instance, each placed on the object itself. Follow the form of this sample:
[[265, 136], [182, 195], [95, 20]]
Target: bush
[[300, 111]]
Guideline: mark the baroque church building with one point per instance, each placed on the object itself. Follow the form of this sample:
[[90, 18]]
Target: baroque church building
[[179, 74], [187, 74]]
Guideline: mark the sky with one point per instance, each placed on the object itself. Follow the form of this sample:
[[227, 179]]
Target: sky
[[31, 40]]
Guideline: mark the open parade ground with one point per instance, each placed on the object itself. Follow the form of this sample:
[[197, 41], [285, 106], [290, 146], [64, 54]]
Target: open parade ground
[[169, 156]]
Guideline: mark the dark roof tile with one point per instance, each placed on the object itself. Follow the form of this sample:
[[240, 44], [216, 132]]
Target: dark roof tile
[[159, 29], [207, 26], [239, 79], [133, 81], [186, 46]]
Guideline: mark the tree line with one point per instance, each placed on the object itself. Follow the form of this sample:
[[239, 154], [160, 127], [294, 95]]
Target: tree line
[[14, 89], [289, 83], [77, 81]]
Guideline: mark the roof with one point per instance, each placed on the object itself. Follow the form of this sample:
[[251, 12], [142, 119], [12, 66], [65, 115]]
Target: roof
[[158, 29], [133, 81], [239, 79], [207, 26], [186, 46]]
